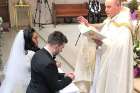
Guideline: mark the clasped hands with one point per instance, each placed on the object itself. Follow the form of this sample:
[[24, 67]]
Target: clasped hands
[[70, 75]]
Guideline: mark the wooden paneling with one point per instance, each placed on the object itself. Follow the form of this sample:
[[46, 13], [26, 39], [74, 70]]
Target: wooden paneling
[[69, 10]]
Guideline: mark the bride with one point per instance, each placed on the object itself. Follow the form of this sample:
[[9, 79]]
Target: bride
[[17, 69]]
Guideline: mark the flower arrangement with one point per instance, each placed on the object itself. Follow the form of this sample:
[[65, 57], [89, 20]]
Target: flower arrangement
[[136, 43], [133, 6], [136, 50]]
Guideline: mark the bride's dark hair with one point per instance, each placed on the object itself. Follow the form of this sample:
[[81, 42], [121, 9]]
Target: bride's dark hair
[[29, 44]]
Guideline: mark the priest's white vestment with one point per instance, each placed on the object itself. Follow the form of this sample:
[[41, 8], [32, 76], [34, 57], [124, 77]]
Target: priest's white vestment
[[114, 59], [85, 64]]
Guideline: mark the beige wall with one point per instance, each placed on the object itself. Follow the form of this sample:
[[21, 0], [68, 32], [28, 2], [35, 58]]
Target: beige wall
[[45, 15]]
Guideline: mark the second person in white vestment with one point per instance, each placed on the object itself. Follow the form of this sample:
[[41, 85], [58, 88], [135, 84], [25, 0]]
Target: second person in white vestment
[[85, 64]]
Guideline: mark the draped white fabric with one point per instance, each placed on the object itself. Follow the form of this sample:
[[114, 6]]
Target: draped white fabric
[[85, 62], [71, 88], [16, 70], [114, 60]]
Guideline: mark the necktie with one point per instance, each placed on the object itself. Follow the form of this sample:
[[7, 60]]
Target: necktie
[[54, 57]]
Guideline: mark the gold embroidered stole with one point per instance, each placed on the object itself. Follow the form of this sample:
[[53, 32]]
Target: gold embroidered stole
[[124, 24]]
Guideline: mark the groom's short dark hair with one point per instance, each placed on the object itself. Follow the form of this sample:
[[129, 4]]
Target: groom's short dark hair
[[57, 37]]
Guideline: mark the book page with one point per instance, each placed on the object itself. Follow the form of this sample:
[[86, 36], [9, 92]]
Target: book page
[[91, 32]]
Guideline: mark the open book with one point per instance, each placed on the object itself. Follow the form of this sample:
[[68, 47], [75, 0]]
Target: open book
[[71, 88], [91, 32]]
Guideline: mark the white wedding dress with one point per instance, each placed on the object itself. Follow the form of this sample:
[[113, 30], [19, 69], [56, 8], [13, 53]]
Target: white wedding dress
[[17, 73]]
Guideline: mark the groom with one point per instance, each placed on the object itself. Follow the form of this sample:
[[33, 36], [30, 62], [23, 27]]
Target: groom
[[44, 74]]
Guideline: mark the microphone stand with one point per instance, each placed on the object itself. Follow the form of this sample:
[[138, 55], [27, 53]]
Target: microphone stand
[[38, 9], [77, 39], [46, 2]]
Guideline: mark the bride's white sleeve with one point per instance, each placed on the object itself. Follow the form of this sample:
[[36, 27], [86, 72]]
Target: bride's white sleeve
[[28, 63], [29, 58]]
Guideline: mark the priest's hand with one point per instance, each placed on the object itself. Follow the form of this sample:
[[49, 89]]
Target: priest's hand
[[82, 20]]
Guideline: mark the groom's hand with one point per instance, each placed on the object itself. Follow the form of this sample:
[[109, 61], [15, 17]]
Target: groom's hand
[[58, 64], [70, 75]]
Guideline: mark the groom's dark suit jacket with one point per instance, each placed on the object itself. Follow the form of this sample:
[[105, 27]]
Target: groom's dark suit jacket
[[44, 74]]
